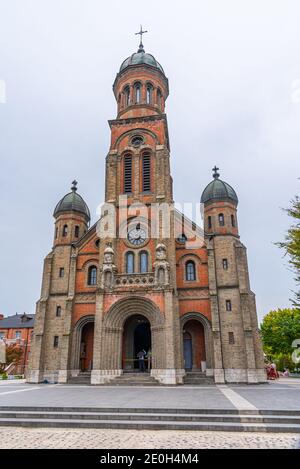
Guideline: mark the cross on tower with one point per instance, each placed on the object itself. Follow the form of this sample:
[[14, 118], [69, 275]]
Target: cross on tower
[[141, 32], [215, 170], [74, 186]]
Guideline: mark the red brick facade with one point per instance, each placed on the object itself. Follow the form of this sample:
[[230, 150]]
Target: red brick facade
[[181, 293]]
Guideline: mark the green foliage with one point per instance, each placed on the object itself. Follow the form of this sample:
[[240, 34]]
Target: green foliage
[[13, 354], [3, 376], [284, 361], [278, 330], [291, 245]]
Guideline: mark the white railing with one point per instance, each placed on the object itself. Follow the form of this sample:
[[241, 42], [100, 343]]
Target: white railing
[[127, 280]]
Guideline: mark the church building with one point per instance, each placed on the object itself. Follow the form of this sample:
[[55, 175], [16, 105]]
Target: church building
[[181, 295]]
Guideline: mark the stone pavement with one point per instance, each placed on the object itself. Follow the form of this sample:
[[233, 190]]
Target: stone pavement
[[276, 395], [279, 395], [45, 438]]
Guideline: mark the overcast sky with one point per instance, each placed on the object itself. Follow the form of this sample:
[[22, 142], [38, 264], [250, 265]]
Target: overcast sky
[[234, 76]]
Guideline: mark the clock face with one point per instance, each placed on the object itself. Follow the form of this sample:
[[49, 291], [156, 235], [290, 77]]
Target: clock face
[[137, 236]]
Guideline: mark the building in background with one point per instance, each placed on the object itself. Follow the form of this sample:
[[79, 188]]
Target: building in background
[[18, 330]]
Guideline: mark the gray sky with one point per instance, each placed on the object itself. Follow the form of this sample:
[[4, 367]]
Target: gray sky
[[234, 76]]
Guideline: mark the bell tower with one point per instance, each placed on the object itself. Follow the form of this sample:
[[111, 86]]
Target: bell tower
[[138, 161], [140, 261]]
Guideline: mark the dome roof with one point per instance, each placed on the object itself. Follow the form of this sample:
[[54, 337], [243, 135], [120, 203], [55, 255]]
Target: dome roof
[[139, 58], [72, 202], [218, 190]]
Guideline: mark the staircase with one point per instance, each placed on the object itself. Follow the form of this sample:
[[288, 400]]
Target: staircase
[[84, 377], [153, 418], [197, 378], [134, 379]]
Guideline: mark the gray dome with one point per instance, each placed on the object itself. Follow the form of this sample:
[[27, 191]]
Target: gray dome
[[218, 190], [72, 202], [140, 58]]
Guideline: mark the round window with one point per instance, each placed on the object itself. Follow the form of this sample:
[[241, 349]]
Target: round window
[[137, 141]]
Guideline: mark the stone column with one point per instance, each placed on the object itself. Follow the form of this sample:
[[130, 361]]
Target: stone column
[[96, 371], [64, 368], [36, 360], [215, 320]]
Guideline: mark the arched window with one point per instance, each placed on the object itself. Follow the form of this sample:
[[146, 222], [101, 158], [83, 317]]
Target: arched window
[[143, 262], [190, 271], [65, 230], [56, 232], [149, 94], [232, 221], [92, 275], [127, 95], [137, 93], [129, 263], [58, 311], [159, 98], [146, 170], [76, 231], [221, 219], [209, 223], [127, 174]]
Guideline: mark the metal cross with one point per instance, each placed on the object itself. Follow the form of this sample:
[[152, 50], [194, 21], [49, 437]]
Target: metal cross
[[74, 186], [141, 32], [215, 170]]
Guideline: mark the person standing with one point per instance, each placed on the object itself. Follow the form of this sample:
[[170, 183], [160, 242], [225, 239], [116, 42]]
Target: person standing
[[141, 357]]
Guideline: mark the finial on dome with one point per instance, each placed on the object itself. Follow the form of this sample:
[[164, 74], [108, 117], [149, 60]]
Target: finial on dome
[[216, 175], [74, 186], [141, 47]]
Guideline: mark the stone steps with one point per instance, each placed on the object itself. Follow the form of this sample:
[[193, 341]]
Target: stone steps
[[152, 419], [197, 378], [134, 379], [146, 416], [84, 377]]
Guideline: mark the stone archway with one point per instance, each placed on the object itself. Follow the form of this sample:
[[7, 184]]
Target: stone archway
[[113, 327], [82, 345], [136, 337], [199, 329]]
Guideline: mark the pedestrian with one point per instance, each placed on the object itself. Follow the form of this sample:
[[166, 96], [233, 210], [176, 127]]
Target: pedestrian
[[273, 372], [141, 357]]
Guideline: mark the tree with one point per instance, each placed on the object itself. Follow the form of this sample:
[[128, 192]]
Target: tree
[[13, 355], [278, 330], [291, 245]]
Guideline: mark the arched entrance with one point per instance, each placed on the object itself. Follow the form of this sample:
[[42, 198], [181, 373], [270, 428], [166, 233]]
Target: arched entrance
[[136, 337], [194, 346], [197, 342], [187, 351], [121, 334], [86, 347], [81, 358]]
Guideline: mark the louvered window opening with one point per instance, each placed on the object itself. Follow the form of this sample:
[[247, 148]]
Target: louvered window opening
[[127, 174], [146, 172]]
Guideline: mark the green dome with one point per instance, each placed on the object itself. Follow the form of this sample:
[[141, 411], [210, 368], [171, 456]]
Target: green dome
[[140, 58], [72, 202], [218, 190]]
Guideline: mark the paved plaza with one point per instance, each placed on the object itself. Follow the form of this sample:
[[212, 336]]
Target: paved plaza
[[279, 395], [283, 394], [44, 438]]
